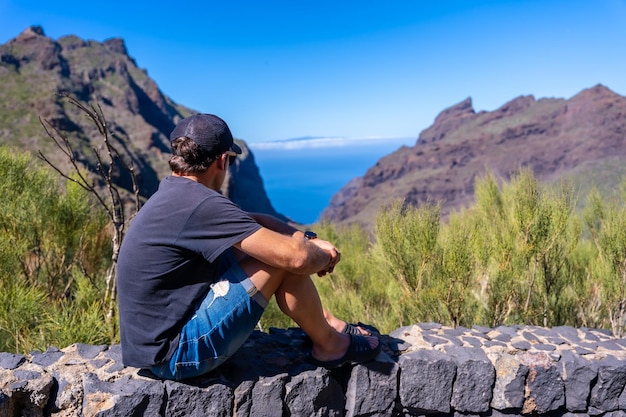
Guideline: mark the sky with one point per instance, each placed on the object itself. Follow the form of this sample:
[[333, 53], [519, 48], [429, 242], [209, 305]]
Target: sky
[[276, 70]]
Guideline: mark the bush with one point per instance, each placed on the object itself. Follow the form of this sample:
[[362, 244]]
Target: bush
[[50, 236], [22, 307], [606, 220], [521, 254]]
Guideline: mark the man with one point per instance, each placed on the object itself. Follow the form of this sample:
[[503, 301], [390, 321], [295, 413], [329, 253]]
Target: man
[[195, 272]]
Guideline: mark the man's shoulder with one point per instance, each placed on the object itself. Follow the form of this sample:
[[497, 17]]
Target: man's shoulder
[[182, 190]]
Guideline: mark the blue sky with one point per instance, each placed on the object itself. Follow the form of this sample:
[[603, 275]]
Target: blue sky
[[276, 70]]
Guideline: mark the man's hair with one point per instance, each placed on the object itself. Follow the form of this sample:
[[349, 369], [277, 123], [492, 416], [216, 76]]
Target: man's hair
[[188, 157]]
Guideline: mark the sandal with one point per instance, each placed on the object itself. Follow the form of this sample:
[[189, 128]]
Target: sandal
[[359, 351], [354, 329]]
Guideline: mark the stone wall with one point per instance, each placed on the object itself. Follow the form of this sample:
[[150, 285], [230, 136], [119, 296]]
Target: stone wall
[[425, 369]]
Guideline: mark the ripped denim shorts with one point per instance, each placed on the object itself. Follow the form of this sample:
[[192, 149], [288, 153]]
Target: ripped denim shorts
[[222, 322]]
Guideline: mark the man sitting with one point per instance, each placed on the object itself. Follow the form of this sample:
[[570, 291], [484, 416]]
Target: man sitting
[[195, 272]]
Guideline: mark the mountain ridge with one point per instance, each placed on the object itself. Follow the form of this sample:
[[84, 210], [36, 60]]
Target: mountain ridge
[[581, 137], [36, 71], [576, 138]]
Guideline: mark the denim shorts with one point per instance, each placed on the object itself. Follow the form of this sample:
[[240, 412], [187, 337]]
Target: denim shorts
[[222, 322]]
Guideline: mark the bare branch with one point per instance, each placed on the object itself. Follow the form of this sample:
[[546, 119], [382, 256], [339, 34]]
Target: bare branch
[[109, 198]]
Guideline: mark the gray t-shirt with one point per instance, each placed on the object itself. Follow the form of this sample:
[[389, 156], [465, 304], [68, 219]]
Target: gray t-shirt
[[168, 259]]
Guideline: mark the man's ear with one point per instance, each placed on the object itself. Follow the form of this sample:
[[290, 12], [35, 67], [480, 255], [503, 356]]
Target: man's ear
[[221, 161]]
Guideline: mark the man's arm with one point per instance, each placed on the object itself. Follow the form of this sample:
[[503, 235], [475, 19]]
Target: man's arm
[[291, 252], [274, 224]]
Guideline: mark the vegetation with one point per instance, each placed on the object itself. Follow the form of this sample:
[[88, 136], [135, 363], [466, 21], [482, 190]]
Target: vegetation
[[522, 254], [108, 195], [59, 245], [54, 248]]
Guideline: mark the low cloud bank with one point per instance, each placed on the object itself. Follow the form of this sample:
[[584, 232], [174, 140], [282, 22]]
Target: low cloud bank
[[330, 142]]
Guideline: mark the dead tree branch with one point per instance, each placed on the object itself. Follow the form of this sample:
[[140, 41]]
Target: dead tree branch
[[108, 197]]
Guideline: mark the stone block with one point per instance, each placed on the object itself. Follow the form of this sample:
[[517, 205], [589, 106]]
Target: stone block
[[122, 397], [243, 398], [47, 358], [426, 380], [27, 389], [545, 391], [314, 393], [508, 390], [69, 393], [11, 360], [610, 384], [475, 377], [89, 351], [209, 397], [577, 374], [372, 389], [267, 396]]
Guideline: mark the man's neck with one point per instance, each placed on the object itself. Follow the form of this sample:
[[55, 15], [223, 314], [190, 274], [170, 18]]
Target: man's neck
[[200, 179]]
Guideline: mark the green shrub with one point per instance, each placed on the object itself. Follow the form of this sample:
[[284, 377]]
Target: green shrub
[[406, 242], [356, 290], [22, 307], [606, 219], [50, 235], [521, 254], [46, 229], [79, 319], [528, 236]]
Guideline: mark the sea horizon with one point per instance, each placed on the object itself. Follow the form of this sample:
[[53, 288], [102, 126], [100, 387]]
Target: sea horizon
[[301, 175]]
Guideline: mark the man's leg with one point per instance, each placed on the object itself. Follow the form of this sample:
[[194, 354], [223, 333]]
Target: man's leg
[[298, 298], [340, 325]]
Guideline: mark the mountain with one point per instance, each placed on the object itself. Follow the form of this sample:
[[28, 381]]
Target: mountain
[[581, 138], [35, 69]]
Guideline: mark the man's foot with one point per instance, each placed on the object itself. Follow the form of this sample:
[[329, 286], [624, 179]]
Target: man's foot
[[360, 329], [348, 328], [360, 349]]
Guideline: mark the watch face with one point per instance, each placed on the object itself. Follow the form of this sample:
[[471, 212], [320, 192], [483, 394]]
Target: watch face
[[310, 235]]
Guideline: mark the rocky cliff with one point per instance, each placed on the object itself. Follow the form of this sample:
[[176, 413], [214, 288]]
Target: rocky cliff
[[34, 69], [581, 138]]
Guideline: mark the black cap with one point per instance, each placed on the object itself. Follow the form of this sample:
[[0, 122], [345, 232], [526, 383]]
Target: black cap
[[208, 131]]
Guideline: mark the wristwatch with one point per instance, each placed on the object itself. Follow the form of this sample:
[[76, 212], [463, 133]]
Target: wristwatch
[[310, 235]]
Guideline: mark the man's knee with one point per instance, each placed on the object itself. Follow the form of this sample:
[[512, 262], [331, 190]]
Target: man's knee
[[266, 279]]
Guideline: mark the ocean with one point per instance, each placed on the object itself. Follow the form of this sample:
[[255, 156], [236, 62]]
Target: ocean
[[301, 176]]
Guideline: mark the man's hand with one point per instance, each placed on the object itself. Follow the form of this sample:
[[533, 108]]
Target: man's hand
[[293, 253], [333, 252]]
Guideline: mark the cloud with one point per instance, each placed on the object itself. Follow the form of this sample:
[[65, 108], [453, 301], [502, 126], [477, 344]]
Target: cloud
[[329, 142]]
